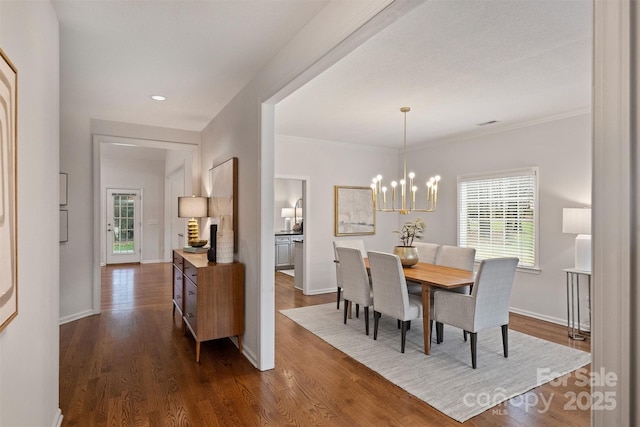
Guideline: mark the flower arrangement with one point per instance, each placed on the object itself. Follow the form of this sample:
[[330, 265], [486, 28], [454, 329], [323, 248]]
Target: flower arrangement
[[411, 230]]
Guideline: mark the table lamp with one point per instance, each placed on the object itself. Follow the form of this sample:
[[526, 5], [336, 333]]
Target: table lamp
[[287, 214], [578, 221], [193, 207]]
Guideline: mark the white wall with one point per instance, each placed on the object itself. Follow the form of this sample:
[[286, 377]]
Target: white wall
[[139, 168], [562, 151], [244, 129], [350, 165], [29, 346]]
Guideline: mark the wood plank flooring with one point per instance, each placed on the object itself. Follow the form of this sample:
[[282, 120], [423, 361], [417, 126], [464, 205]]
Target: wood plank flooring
[[132, 366]]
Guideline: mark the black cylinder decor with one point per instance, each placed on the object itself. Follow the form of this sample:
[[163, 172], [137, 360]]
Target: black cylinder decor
[[211, 253]]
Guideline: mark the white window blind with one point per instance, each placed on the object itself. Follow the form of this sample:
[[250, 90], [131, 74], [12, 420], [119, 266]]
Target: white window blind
[[498, 215]]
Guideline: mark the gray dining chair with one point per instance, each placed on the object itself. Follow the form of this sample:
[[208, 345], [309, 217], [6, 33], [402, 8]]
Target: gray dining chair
[[427, 252], [355, 282], [390, 296], [456, 257], [486, 307], [355, 244]]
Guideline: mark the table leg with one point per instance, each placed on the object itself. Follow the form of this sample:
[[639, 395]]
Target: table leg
[[426, 316]]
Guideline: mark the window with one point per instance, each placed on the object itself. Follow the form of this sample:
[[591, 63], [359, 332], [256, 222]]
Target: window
[[497, 215]]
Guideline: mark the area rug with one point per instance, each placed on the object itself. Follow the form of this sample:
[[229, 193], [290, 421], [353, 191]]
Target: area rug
[[444, 379]]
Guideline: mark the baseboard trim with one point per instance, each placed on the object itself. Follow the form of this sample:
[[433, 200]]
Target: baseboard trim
[[322, 291], [76, 316], [152, 261], [539, 316], [57, 418]]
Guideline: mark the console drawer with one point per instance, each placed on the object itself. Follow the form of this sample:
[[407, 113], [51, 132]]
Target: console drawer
[[191, 306], [191, 272]]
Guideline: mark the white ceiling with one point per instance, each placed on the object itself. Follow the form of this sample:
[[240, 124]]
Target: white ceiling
[[115, 54], [456, 63]]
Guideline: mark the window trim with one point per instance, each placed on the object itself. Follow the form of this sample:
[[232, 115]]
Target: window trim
[[527, 171]]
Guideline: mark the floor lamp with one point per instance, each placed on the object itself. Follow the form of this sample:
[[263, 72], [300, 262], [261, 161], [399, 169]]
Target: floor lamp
[[578, 221]]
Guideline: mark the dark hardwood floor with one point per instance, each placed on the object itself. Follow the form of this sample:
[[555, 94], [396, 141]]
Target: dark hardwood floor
[[131, 365]]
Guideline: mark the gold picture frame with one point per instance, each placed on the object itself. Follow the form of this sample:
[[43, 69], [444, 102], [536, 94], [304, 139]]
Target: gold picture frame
[[354, 211], [8, 191]]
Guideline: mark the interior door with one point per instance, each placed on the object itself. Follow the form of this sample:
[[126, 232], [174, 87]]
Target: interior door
[[123, 226]]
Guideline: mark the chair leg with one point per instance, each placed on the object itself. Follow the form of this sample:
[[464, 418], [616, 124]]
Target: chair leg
[[346, 310], [339, 291], [464, 334], [399, 325], [430, 328], [439, 332], [357, 310], [404, 336], [505, 340], [474, 348], [366, 320], [376, 318]]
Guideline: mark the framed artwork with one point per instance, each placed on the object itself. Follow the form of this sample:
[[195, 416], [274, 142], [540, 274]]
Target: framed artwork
[[223, 200], [64, 226], [354, 211], [63, 189], [8, 192]]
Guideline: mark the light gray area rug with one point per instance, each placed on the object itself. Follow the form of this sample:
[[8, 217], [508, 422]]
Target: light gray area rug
[[444, 379]]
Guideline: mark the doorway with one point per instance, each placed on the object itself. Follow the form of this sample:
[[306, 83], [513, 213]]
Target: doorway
[[124, 226]]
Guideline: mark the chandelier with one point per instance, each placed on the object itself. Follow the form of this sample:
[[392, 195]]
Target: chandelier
[[407, 189]]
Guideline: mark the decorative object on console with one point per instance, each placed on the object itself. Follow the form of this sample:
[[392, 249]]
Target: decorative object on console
[[287, 214], [224, 243], [578, 221], [213, 238], [193, 207], [407, 252], [223, 201], [405, 187]]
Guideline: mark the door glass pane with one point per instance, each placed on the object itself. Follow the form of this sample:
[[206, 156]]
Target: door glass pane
[[123, 221]]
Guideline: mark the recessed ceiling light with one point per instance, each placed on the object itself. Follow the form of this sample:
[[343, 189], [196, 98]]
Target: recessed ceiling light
[[158, 98]]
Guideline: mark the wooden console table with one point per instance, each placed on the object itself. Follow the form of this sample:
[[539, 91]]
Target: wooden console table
[[209, 297]]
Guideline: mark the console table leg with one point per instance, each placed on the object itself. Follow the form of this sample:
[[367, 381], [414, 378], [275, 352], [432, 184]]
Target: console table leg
[[240, 343], [198, 351]]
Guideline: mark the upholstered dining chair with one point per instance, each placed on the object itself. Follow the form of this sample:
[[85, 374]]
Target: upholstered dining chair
[[427, 252], [456, 257], [486, 307], [355, 282], [390, 296], [356, 244]]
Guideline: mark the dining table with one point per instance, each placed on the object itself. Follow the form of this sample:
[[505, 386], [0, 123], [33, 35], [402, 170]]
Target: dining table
[[438, 276]]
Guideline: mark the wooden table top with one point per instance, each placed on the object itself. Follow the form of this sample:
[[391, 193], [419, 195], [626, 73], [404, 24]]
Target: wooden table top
[[437, 275]]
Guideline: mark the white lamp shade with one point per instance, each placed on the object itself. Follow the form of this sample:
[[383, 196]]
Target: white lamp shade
[[192, 207], [286, 213], [576, 220]]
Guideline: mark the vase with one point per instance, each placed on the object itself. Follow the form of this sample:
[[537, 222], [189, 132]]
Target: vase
[[224, 243], [408, 255]]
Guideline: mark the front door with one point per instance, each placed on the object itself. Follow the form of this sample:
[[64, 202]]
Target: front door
[[123, 226]]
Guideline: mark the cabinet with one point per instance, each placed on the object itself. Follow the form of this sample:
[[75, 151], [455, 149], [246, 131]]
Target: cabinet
[[285, 250], [209, 297]]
